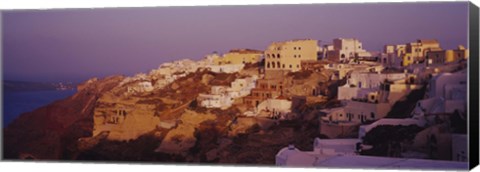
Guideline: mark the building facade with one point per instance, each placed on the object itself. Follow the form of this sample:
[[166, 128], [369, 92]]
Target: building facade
[[417, 51], [265, 89], [345, 49], [288, 55]]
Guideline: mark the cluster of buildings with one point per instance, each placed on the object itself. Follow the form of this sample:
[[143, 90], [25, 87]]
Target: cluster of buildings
[[344, 50], [373, 84], [435, 147], [370, 90], [426, 52], [231, 62], [368, 95], [224, 96]]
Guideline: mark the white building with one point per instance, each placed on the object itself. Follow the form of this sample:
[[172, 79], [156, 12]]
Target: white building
[[360, 84], [140, 87], [334, 114], [392, 55], [322, 150], [285, 154], [359, 111], [340, 70], [390, 60], [226, 68], [345, 49], [278, 107], [336, 153], [448, 85], [446, 93], [222, 101], [218, 98], [242, 87], [224, 96]]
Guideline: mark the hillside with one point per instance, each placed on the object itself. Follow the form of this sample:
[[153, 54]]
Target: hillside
[[114, 119]]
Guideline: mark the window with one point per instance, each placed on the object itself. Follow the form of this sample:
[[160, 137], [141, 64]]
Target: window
[[298, 66], [294, 56], [278, 64], [278, 55], [299, 48], [342, 56], [273, 64], [283, 66], [295, 48], [299, 55], [290, 66], [268, 65]]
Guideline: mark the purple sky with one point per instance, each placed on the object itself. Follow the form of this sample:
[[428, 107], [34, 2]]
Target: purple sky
[[77, 44]]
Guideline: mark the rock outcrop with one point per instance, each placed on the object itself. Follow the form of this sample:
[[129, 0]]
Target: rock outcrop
[[181, 139], [52, 131]]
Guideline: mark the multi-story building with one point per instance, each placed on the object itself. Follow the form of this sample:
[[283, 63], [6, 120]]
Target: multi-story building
[[418, 50], [288, 55], [224, 96], [265, 89], [391, 56], [345, 49], [440, 57]]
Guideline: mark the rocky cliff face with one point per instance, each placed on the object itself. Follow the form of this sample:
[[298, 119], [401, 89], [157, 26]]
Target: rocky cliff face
[[103, 121], [51, 132]]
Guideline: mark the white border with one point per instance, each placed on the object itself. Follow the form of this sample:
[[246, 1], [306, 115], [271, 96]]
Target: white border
[[51, 4]]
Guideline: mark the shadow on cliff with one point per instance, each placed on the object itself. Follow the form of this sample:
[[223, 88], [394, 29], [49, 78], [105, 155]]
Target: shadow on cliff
[[51, 132]]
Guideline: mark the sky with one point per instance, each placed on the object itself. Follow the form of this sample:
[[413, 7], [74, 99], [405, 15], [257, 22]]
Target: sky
[[78, 44]]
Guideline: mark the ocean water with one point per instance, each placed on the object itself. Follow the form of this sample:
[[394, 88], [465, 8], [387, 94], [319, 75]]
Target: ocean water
[[16, 103]]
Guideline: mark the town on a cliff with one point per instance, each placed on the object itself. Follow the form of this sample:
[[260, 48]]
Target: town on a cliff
[[296, 103]]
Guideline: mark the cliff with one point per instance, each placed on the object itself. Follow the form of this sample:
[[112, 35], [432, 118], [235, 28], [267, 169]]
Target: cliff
[[50, 131], [158, 121]]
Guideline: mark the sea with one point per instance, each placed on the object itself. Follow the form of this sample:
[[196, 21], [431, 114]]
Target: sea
[[16, 103]]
